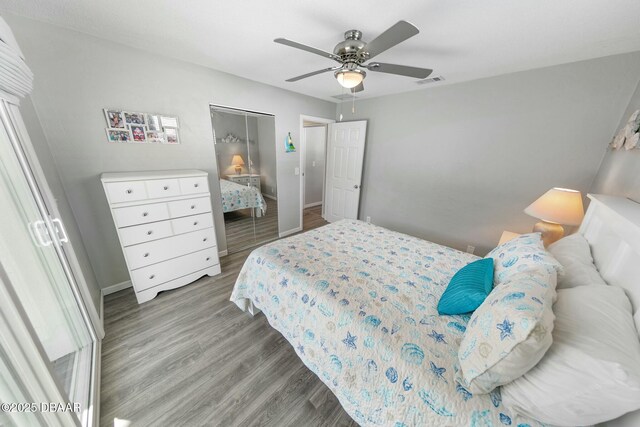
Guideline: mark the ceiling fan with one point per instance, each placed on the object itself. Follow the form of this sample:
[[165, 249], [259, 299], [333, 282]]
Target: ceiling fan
[[352, 54]]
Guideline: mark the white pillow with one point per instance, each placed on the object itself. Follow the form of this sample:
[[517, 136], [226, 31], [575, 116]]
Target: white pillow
[[510, 331], [591, 373], [525, 252], [574, 253]]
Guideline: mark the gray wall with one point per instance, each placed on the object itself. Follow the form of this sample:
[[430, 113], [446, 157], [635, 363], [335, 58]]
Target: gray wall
[[42, 151], [457, 164], [267, 156], [77, 75], [315, 140], [619, 172]]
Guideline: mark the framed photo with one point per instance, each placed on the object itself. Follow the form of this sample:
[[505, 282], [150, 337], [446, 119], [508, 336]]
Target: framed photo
[[115, 118], [172, 135], [169, 122], [153, 122], [155, 137], [134, 118], [118, 135], [138, 133]]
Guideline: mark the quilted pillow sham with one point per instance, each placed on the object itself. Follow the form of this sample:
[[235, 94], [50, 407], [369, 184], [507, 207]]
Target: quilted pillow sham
[[525, 252], [510, 331]]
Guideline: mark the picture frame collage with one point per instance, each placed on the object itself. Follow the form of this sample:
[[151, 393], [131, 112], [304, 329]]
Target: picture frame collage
[[140, 128]]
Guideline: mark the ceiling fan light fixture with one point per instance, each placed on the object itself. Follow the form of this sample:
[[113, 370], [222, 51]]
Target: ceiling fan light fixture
[[350, 78]]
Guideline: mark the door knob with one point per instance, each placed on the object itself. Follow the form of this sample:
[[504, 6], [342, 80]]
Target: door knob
[[356, 186]]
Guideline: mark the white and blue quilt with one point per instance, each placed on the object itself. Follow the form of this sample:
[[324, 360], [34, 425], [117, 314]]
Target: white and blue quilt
[[236, 196], [358, 304]]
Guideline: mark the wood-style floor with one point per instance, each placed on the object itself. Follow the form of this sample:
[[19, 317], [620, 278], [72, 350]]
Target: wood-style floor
[[244, 230], [190, 357]]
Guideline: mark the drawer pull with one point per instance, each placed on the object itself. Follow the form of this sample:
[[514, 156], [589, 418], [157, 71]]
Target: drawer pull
[[196, 185], [204, 240], [166, 187], [129, 191], [193, 206], [146, 254], [145, 213], [152, 276], [195, 222], [208, 258], [149, 233]]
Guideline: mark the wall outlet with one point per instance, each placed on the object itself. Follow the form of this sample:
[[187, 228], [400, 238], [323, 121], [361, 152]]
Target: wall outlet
[[313, 163], [296, 171], [368, 220], [471, 249]]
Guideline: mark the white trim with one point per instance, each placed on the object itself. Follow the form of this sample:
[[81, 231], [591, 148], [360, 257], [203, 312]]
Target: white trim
[[102, 308], [310, 205], [290, 232], [223, 253], [269, 196], [302, 147], [117, 287]]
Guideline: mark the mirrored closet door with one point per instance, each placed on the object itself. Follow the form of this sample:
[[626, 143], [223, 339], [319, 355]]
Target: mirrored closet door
[[246, 158]]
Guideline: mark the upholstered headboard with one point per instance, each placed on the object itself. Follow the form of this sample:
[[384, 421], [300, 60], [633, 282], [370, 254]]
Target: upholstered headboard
[[612, 228]]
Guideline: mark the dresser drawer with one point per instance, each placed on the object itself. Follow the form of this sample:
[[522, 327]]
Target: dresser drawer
[[145, 233], [189, 207], [171, 247], [192, 223], [194, 185], [163, 188], [142, 214], [128, 191], [153, 275]]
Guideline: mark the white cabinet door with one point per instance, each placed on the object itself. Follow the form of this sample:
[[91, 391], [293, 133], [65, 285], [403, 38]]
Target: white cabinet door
[[345, 153]]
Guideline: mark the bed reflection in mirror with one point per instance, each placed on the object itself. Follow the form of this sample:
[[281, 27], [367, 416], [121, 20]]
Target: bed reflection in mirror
[[246, 159]]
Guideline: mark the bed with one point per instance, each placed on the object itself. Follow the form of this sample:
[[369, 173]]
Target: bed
[[236, 196], [358, 304]]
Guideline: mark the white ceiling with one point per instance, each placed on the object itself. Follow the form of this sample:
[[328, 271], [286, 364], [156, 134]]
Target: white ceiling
[[461, 40]]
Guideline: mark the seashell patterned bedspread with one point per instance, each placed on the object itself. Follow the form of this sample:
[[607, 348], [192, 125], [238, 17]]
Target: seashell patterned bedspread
[[358, 304]]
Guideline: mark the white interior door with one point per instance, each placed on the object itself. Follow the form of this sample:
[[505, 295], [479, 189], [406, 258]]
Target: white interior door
[[345, 153]]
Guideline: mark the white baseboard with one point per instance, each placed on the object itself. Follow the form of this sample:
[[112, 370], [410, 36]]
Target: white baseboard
[[117, 287], [290, 232], [223, 253], [311, 205], [269, 196]]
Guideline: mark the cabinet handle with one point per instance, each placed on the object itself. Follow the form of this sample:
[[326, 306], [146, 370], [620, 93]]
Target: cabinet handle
[[129, 191], [193, 206], [145, 213], [152, 276], [196, 185], [146, 254], [149, 233], [208, 258], [166, 187], [204, 240], [195, 222]]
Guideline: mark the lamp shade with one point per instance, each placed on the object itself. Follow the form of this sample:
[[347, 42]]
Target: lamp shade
[[237, 160], [558, 205]]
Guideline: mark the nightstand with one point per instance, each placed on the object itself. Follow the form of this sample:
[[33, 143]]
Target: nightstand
[[246, 178], [507, 235]]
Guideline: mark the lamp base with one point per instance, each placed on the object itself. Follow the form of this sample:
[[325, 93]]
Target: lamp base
[[550, 232], [238, 170]]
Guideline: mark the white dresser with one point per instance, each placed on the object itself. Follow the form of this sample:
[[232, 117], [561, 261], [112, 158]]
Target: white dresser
[[246, 178], [165, 226]]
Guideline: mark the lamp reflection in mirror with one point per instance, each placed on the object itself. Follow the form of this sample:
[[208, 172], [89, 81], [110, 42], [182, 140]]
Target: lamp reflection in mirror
[[237, 162], [555, 207]]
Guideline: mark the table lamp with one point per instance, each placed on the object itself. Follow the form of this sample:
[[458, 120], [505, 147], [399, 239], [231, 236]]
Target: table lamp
[[555, 207], [237, 162]]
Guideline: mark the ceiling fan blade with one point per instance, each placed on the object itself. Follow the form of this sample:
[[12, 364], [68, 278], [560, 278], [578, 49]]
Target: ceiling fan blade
[[297, 45], [358, 88], [394, 35], [313, 73], [403, 70]]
